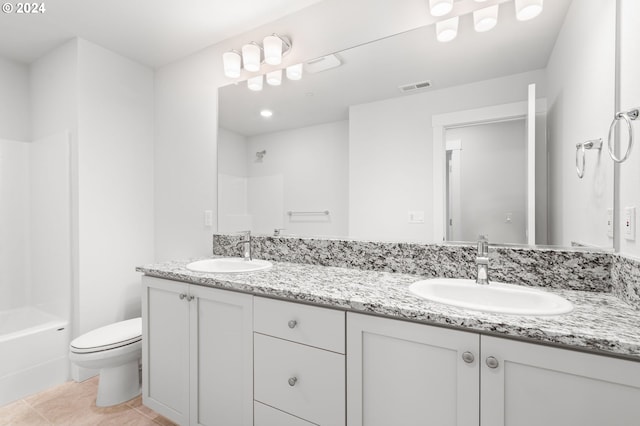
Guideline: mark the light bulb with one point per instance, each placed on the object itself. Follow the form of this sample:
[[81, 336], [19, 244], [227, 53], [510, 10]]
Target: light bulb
[[440, 7], [485, 19], [251, 57], [447, 30], [231, 62], [255, 83], [272, 50], [528, 9], [274, 78], [294, 72]]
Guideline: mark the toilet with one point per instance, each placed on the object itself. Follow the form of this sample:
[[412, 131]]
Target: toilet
[[115, 350]]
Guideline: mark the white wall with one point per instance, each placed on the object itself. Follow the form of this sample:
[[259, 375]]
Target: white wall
[[53, 112], [313, 164], [115, 183], [390, 154], [581, 89], [50, 224], [493, 181], [14, 100], [630, 99], [186, 108], [106, 103], [14, 220]]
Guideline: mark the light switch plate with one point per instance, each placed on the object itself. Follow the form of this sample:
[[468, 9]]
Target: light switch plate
[[416, 216], [208, 218], [610, 223]]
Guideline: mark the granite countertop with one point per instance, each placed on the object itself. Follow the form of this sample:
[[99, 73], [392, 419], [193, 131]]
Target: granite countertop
[[599, 322]]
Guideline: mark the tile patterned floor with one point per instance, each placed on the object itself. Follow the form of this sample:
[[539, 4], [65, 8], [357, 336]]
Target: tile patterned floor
[[73, 404]]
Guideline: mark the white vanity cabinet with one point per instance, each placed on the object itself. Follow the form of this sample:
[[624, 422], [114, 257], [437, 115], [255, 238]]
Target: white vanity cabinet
[[197, 353], [299, 364], [405, 373], [525, 384], [401, 373]]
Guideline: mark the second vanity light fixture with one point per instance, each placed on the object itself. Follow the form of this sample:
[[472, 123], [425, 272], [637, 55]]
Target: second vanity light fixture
[[253, 55], [483, 19]]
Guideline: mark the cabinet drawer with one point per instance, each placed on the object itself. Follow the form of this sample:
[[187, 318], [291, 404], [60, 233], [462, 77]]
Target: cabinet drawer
[[320, 327], [269, 416], [318, 393]]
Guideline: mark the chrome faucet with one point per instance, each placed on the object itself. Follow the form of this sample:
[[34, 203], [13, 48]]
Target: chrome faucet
[[482, 260], [246, 241]]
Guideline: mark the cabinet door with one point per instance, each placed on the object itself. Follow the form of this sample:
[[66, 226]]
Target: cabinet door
[[221, 357], [165, 348], [401, 373], [536, 385]]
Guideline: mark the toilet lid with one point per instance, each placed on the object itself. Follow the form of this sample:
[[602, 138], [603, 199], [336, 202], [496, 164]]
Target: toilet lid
[[109, 337]]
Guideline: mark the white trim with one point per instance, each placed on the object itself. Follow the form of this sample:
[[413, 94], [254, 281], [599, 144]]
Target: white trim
[[531, 166], [442, 122]]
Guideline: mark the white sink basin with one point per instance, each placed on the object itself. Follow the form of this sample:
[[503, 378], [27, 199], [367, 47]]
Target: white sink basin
[[495, 297], [228, 265]]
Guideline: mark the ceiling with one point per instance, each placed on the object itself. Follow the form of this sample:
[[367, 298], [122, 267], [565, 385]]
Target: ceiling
[[152, 32], [375, 70]]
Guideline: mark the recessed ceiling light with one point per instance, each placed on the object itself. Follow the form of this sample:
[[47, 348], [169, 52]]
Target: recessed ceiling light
[[266, 113]]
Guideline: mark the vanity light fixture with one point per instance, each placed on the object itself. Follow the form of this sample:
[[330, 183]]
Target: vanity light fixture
[[440, 7], [447, 30], [528, 9], [255, 83], [485, 19], [274, 78], [251, 59]]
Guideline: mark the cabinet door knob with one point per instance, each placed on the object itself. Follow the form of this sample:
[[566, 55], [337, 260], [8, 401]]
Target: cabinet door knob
[[293, 323], [468, 357], [182, 296], [190, 298], [293, 381], [492, 362]]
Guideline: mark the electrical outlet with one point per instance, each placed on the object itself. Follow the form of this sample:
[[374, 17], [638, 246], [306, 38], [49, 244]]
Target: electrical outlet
[[629, 224]]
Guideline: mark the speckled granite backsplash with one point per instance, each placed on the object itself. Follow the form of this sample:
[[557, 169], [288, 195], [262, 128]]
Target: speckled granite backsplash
[[567, 269], [625, 275]]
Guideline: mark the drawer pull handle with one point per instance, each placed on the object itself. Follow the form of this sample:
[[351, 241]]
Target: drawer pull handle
[[468, 357], [292, 324], [182, 296], [293, 381], [492, 362]]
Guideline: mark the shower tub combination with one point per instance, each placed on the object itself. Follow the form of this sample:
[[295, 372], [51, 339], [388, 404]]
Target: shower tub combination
[[35, 265]]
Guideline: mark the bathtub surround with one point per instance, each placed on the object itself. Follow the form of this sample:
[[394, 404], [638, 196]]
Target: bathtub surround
[[552, 268]]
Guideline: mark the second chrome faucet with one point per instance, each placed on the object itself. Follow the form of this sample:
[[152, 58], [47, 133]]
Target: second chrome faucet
[[482, 260]]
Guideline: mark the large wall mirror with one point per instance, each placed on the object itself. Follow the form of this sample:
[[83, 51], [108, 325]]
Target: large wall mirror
[[410, 139]]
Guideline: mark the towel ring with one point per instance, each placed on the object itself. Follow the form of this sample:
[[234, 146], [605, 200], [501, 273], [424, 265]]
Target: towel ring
[[627, 116], [582, 147]]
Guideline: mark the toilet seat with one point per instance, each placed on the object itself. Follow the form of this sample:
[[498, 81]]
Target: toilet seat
[[109, 337]]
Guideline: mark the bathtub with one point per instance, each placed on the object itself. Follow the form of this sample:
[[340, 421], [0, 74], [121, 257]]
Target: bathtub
[[34, 349]]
